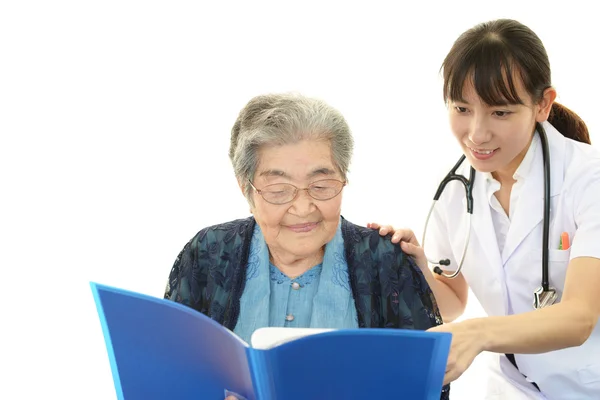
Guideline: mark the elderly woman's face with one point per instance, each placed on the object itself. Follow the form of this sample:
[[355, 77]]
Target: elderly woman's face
[[303, 226]]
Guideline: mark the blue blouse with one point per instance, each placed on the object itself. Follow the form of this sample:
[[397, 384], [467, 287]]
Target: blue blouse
[[291, 301]]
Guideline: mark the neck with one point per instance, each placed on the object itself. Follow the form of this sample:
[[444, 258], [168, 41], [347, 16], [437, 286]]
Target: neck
[[505, 177], [292, 265]]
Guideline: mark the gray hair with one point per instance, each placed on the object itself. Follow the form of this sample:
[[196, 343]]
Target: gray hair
[[279, 119]]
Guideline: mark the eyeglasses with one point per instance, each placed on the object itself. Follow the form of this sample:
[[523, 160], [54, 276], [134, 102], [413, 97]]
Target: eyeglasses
[[281, 193]]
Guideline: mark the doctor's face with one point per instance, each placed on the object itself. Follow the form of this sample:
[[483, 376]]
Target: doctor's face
[[494, 138]]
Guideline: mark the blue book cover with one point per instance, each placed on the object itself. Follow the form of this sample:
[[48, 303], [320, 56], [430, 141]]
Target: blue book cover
[[159, 349]]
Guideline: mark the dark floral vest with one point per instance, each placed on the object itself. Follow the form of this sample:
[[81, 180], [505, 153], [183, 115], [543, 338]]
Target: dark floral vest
[[389, 289]]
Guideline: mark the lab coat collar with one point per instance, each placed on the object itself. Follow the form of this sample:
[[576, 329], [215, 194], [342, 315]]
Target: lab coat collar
[[482, 227], [529, 211]]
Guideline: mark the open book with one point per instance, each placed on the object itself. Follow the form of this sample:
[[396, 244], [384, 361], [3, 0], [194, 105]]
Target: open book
[[159, 349]]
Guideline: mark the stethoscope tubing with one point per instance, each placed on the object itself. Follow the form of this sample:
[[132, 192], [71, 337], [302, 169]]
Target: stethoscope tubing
[[468, 185]]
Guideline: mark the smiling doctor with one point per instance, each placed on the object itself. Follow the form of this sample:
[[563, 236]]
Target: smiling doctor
[[521, 149]]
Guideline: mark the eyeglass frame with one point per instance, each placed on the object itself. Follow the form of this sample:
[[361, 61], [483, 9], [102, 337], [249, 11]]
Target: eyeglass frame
[[307, 189]]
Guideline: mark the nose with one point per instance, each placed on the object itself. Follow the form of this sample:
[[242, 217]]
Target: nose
[[303, 204], [478, 131]]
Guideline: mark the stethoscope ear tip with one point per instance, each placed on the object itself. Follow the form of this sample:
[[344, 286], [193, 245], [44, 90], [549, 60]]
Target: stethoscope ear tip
[[438, 270]]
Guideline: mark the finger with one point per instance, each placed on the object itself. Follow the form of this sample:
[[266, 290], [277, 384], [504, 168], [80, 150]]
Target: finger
[[387, 229], [373, 225], [416, 253], [412, 250], [405, 235], [451, 376]]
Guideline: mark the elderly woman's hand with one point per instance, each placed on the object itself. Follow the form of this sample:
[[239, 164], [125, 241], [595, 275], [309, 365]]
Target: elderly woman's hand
[[407, 239], [233, 396]]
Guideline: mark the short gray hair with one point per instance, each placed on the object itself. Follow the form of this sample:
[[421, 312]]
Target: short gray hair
[[279, 119]]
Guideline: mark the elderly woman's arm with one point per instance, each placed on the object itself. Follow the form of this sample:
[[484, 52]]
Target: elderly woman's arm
[[187, 278], [178, 287]]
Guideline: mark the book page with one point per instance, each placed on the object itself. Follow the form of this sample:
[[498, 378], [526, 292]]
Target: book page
[[267, 338]]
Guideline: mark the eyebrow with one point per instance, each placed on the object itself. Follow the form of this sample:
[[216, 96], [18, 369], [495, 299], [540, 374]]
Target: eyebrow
[[273, 172], [315, 172], [321, 171], [503, 104]]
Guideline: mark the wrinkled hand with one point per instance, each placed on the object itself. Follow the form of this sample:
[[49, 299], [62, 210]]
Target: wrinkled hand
[[408, 242], [233, 396], [467, 343]]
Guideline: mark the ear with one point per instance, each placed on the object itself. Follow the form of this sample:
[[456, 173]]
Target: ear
[[545, 104], [242, 190], [240, 186]]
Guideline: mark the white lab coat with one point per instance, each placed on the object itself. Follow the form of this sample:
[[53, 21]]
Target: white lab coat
[[504, 281]]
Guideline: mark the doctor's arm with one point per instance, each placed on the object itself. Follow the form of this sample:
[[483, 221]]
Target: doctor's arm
[[562, 325], [570, 322], [565, 324], [559, 326], [450, 294]]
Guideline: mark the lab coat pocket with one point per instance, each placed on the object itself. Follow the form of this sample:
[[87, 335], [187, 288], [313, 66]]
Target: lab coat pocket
[[553, 255], [558, 261], [558, 255]]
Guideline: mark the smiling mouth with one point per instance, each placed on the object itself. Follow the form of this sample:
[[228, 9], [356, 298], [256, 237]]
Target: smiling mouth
[[482, 154], [482, 151], [306, 227]]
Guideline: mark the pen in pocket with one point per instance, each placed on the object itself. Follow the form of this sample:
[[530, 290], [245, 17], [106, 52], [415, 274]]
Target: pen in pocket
[[564, 241]]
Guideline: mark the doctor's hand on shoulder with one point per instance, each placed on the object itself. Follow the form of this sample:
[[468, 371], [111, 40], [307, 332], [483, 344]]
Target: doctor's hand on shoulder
[[407, 239], [468, 338]]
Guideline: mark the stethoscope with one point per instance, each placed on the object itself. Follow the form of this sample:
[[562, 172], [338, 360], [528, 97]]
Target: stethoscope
[[544, 295]]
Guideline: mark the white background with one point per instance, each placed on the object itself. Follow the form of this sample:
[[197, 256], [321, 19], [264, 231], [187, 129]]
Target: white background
[[115, 120]]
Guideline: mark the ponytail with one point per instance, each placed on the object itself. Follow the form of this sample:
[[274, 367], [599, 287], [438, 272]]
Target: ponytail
[[568, 123]]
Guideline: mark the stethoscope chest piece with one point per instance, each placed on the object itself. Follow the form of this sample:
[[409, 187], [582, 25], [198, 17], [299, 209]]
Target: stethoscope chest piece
[[544, 298]]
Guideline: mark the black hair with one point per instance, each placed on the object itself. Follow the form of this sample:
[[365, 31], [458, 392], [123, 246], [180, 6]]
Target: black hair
[[492, 54]]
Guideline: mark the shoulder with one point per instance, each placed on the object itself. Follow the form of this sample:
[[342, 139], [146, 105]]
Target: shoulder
[[213, 240], [360, 237], [581, 158], [206, 250], [578, 161], [581, 172], [365, 247], [225, 232]]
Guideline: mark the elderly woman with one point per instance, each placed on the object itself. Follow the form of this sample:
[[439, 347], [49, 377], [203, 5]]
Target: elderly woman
[[296, 262]]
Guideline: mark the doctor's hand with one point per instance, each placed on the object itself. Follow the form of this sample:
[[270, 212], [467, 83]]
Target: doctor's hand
[[467, 343], [407, 239]]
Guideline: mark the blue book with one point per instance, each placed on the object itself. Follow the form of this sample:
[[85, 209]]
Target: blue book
[[159, 349]]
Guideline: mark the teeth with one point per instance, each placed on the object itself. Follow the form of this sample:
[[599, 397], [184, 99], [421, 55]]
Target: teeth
[[483, 151]]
